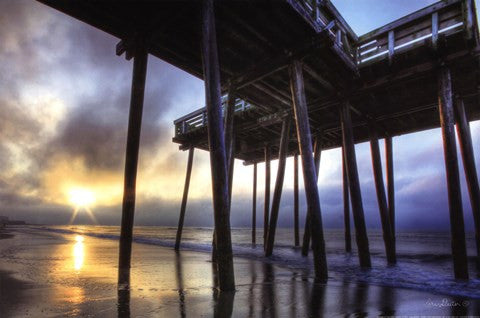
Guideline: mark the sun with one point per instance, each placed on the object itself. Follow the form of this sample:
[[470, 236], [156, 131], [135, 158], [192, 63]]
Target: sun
[[81, 198]]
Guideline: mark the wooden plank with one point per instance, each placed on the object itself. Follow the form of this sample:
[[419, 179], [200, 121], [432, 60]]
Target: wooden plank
[[277, 193], [309, 175], [468, 157], [131, 162], [218, 160], [354, 184], [447, 121], [183, 207]]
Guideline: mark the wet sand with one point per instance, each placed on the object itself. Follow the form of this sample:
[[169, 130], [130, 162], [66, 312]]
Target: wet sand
[[53, 275]]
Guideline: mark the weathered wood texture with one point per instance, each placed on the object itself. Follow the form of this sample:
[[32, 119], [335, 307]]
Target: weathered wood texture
[[218, 160], [254, 206], [468, 157], [317, 152], [131, 162], [405, 91], [346, 205], [390, 182], [447, 121], [266, 201], [388, 238], [309, 175], [296, 225], [230, 138], [277, 193], [184, 199], [354, 184]]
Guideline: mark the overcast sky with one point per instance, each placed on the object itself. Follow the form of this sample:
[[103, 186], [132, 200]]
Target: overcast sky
[[64, 98]]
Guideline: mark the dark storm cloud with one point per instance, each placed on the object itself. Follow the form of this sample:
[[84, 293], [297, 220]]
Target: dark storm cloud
[[44, 48]]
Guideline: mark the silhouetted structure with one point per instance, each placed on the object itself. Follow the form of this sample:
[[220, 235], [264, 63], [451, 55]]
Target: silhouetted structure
[[299, 60]]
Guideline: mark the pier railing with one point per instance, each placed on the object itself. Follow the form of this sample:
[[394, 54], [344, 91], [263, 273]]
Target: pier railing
[[421, 28], [198, 118]]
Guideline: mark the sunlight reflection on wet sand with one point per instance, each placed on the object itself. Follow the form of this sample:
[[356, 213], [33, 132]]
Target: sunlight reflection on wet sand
[[80, 276]]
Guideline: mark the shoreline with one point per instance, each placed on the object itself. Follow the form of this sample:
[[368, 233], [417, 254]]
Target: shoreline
[[49, 279]]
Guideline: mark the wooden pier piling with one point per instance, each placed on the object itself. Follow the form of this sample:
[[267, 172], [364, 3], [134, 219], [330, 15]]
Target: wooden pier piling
[[309, 175], [447, 122], [131, 162], [390, 183], [317, 152], [216, 141], [184, 198], [266, 202], [346, 205], [230, 138], [254, 206], [388, 238], [354, 184], [277, 193], [295, 201], [468, 157]]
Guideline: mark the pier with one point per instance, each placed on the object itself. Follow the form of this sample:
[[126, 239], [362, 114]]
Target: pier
[[291, 78]]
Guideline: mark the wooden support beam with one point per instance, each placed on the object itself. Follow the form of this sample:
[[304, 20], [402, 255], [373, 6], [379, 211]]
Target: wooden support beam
[[390, 182], [466, 147], [277, 193], [131, 162], [447, 122], [295, 200], [309, 174], [346, 205], [216, 141], [254, 206], [354, 184], [381, 197], [306, 234], [319, 78], [184, 199], [266, 204]]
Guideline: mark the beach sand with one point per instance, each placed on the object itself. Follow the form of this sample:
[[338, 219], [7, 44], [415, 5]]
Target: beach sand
[[46, 274]]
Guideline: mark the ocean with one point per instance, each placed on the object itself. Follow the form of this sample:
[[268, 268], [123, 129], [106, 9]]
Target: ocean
[[424, 260]]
